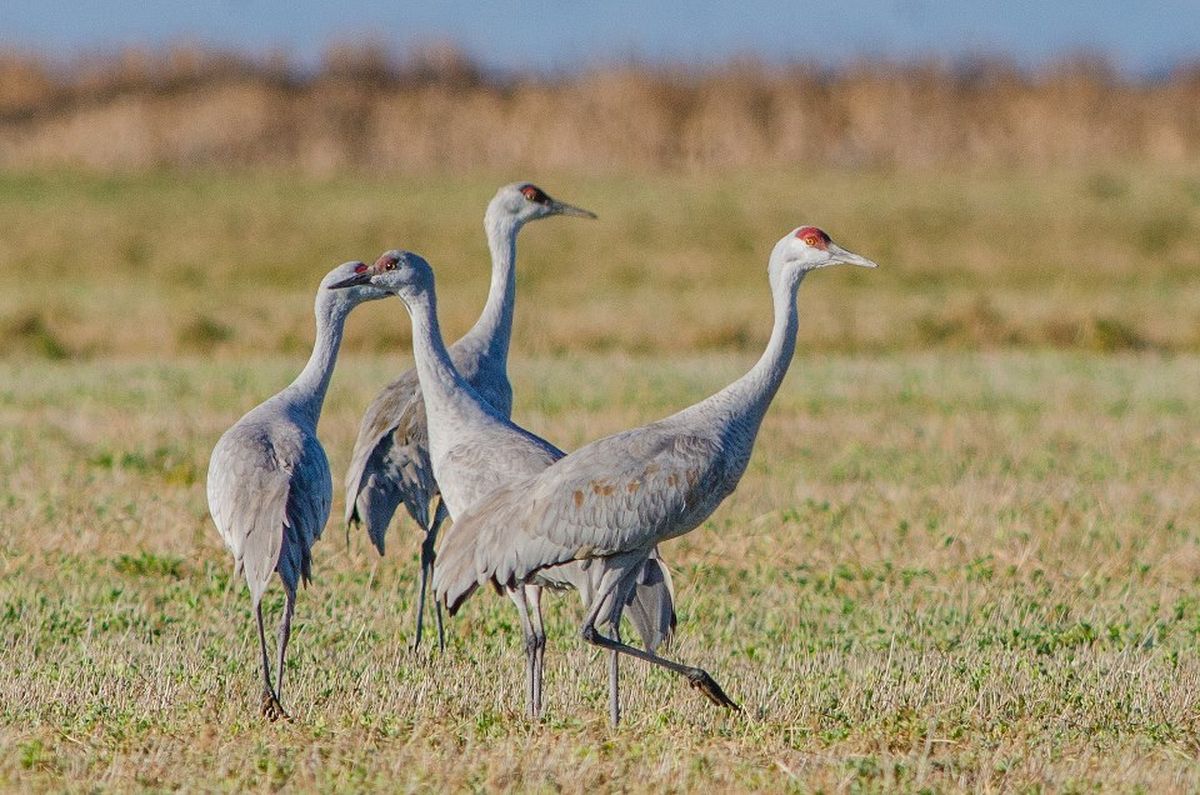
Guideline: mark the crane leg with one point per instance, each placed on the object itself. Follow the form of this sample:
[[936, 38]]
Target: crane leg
[[271, 708], [533, 594], [428, 556], [614, 692], [440, 515], [697, 677], [517, 595], [285, 634]]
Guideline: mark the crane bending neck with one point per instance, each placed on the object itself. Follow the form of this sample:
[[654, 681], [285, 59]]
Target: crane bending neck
[[307, 392]]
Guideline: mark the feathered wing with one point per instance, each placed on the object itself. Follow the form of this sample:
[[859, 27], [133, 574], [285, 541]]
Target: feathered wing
[[619, 494], [390, 463], [496, 456], [308, 504], [248, 487]]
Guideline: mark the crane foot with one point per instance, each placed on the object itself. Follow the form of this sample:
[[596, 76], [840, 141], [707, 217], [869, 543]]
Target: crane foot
[[272, 710], [699, 679]]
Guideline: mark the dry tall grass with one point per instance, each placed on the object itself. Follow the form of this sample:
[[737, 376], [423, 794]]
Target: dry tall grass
[[369, 109]]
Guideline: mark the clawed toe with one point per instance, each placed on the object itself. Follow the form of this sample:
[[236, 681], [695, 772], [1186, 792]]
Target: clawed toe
[[272, 710], [700, 680]]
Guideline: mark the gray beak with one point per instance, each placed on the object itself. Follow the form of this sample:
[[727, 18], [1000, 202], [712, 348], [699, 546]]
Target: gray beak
[[562, 208], [356, 280], [842, 256]]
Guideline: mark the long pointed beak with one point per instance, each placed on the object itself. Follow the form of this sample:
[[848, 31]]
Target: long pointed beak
[[842, 256], [562, 208], [356, 280]]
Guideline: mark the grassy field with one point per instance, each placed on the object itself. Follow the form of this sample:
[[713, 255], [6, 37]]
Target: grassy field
[[164, 264], [964, 557]]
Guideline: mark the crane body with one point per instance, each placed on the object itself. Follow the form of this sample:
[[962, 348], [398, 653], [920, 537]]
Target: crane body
[[615, 499], [269, 487], [475, 450], [390, 464]]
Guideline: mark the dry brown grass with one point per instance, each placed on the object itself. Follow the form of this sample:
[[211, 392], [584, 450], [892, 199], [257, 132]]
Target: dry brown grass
[[367, 109]]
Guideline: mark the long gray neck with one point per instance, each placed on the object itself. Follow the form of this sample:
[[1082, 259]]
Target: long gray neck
[[446, 393], [493, 330], [307, 393], [748, 398]]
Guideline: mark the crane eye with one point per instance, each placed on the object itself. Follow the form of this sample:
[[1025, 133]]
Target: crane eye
[[812, 236], [534, 194]]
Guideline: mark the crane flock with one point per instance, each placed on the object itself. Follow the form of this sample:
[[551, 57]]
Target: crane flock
[[525, 515]]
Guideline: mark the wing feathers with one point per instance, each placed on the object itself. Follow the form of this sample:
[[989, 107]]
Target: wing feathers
[[620, 494]]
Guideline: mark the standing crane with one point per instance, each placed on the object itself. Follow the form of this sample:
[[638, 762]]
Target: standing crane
[[390, 463], [475, 449], [614, 500], [269, 489]]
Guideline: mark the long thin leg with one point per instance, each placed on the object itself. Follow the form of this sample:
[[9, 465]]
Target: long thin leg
[[619, 597], [428, 556], [285, 633], [614, 692], [517, 595], [271, 708], [421, 589], [533, 595], [439, 516], [697, 677]]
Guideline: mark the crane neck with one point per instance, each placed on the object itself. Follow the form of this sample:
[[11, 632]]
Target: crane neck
[[751, 395], [446, 393], [306, 394], [493, 330]]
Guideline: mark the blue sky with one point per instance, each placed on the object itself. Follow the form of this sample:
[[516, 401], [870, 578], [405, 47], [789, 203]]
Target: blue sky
[[1140, 37]]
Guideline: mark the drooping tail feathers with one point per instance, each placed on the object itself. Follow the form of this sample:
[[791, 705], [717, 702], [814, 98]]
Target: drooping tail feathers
[[454, 577], [376, 504], [651, 605]]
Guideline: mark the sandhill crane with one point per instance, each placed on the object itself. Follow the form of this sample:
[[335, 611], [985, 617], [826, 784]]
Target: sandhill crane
[[390, 463], [476, 449], [269, 488], [613, 500]]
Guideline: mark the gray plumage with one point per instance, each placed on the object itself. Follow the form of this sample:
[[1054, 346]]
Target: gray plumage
[[269, 488], [475, 450], [613, 500], [390, 463]]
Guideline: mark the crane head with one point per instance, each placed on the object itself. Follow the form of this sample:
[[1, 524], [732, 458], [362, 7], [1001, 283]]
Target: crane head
[[807, 248], [342, 276], [396, 272], [524, 201]]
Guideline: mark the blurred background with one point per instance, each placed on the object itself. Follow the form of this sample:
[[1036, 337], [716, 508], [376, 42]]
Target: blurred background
[[1027, 175]]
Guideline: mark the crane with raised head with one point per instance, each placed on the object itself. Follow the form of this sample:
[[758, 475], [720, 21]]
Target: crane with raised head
[[612, 501], [475, 449], [390, 464], [269, 488]]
